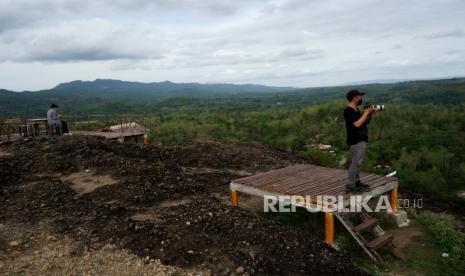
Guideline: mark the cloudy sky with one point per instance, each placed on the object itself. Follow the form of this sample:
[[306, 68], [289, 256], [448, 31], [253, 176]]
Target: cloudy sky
[[276, 42]]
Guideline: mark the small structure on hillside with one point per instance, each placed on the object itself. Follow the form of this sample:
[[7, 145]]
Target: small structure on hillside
[[123, 132], [320, 146], [383, 165], [324, 147]]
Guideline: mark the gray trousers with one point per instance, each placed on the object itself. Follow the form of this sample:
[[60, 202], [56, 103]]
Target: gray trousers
[[358, 152]]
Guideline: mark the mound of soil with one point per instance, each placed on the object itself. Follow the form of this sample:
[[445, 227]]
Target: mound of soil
[[158, 203]]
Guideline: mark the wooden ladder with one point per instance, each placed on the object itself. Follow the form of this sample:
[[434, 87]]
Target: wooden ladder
[[381, 239]]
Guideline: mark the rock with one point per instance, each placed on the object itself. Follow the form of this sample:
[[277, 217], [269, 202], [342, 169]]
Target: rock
[[240, 270], [51, 238], [14, 243]]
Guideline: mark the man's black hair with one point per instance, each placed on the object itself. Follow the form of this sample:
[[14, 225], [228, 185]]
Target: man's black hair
[[352, 93], [54, 106]]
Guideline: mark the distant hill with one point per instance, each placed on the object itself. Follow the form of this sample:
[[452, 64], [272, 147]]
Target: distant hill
[[113, 96], [377, 81], [77, 95], [167, 88]]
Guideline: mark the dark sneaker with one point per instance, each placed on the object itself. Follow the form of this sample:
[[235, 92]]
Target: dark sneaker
[[353, 189], [361, 184]]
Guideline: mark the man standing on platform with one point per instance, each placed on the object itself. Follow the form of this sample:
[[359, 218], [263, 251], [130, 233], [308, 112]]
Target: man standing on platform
[[357, 137]]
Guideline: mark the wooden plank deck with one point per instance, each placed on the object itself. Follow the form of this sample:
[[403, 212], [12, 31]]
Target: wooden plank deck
[[310, 180]]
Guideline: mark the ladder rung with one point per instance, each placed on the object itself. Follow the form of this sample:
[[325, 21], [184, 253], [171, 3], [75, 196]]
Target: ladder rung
[[366, 225], [380, 241]]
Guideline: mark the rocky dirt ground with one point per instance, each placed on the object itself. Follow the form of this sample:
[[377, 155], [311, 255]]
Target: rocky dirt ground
[[80, 205]]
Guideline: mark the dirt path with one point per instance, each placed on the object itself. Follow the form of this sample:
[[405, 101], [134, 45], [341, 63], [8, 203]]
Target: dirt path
[[86, 182], [405, 236], [34, 251], [156, 202], [3, 152]]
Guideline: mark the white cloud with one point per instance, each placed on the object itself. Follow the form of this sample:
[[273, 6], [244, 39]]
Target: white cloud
[[81, 40], [453, 33], [292, 42]]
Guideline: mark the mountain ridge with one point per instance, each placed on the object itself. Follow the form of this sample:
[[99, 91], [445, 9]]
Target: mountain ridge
[[114, 84]]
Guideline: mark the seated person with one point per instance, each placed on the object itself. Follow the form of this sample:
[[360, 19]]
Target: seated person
[[53, 119]]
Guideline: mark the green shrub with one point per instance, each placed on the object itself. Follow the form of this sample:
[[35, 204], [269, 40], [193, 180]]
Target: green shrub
[[444, 231]]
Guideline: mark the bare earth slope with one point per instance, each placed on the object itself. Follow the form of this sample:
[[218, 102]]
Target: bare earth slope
[[94, 197]]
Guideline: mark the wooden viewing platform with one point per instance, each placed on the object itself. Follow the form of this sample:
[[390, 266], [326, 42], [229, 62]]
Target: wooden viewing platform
[[310, 180], [301, 181], [119, 127]]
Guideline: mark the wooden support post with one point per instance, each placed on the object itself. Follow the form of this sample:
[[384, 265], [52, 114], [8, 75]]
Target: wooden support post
[[394, 200], [146, 139], [234, 199], [8, 133], [145, 122], [329, 228]]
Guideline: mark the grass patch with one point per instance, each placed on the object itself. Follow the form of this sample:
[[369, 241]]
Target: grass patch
[[443, 231]]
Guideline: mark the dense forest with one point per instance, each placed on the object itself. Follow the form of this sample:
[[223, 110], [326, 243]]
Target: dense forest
[[108, 97], [421, 134], [424, 143]]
